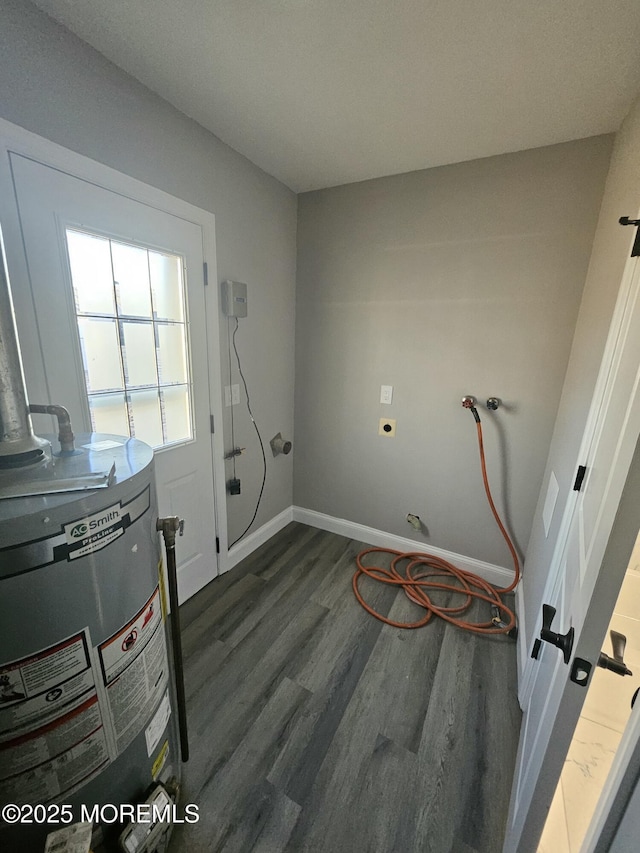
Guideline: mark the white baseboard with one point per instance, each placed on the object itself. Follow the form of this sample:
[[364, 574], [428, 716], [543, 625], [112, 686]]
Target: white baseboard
[[254, 540], [496, 575]]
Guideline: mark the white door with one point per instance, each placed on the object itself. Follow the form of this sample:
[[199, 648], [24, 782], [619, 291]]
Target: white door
[[553, 701], [118, 289]]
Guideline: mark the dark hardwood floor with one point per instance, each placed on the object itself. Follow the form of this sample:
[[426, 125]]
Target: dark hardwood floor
[[315, 727]]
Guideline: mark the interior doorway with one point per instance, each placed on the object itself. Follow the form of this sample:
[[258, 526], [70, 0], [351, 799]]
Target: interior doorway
[[603, 719]]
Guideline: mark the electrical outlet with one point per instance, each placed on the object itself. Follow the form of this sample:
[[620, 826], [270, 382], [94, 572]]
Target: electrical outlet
[[387, 426], [231, 395], [386, 394]]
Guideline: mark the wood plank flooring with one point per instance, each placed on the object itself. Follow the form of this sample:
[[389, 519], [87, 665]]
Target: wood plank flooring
[[315, 727]]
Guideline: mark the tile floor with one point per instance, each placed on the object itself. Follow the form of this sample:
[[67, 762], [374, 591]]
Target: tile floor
[[604, 716]]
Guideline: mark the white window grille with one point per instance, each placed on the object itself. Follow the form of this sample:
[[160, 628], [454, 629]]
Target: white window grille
[[132, 323]]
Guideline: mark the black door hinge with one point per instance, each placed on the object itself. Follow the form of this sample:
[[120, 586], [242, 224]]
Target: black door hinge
[[582, 470], [213, 427], [205, 270], [624, 220], [217, 544]]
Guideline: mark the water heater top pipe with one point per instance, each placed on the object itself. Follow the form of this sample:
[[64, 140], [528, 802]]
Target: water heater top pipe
[[65, 430], [18, 444]]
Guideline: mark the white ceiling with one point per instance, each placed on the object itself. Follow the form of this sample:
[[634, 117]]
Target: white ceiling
[[325, 92]]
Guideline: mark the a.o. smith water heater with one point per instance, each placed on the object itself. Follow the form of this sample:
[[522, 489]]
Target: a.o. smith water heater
[[87, 709]]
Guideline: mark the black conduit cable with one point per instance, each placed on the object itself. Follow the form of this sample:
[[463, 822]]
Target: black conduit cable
[[233, 434], [253, 421]]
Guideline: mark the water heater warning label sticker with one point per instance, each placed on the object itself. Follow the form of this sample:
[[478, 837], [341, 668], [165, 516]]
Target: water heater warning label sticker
[[158, 724], [120, 650], [37, 689], [49, 762], [68, 710], [52, 737], [135, 671]]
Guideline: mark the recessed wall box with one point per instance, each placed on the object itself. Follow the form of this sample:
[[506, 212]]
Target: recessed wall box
[[387, 426], [234, 298]]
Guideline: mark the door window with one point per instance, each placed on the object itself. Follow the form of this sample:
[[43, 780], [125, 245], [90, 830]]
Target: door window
[[132, 324]]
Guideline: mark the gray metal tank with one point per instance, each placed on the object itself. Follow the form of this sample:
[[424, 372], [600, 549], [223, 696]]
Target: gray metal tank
[[86, 692]]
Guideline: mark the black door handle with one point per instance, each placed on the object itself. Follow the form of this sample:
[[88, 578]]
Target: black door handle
[[564, 642], [616, 663]]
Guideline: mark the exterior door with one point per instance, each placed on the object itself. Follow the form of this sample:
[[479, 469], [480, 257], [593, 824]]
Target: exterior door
[[118, 289], [553, 701]]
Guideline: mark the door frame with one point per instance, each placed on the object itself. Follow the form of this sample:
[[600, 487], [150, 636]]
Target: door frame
[[622, 779], [27, 144]]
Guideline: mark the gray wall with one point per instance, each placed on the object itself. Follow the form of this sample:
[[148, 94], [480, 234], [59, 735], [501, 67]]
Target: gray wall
[[55, 85], [609, 256], [461, 279]]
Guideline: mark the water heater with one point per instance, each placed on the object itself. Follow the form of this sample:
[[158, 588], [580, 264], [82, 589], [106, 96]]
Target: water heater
[[86, 703], [87, 698]]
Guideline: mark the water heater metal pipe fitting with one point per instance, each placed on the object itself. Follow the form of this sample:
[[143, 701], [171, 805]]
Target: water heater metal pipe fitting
[[18, 444]]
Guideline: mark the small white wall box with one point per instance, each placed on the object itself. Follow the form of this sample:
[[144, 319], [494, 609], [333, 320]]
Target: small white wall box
[[234, 298]]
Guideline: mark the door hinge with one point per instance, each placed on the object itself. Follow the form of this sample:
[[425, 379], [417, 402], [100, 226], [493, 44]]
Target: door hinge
[[582, 470], [213, 428], [624, 220], [217, 544], [205, 270]]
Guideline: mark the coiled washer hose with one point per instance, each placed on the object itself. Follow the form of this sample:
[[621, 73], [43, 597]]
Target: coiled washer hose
[[424, 572]]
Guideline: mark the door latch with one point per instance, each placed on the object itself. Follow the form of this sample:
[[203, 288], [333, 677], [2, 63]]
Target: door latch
[[581, 667], [616, 663], [564, 642], [580, 671]]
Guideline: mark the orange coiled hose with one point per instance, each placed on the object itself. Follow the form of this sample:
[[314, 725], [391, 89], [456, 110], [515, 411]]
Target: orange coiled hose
[[425, 572]]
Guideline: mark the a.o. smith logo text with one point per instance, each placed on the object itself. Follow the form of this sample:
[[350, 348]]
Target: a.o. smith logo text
[[94, 532]]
